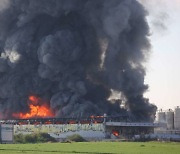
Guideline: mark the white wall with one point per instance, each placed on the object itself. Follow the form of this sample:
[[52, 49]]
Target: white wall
[[6, 133]]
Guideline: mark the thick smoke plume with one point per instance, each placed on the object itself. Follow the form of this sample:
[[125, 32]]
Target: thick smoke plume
[[73, 53]]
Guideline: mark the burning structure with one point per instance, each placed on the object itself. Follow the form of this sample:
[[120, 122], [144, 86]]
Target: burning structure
[[65, 58], [91, 128], [74, 59]]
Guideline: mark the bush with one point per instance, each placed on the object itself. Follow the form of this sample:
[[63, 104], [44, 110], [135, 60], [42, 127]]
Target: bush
[[19, 138], [45, 137], [33, 138], [30, 138], [76, 138]]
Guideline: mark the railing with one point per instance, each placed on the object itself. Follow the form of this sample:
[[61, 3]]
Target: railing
[[133, 124]]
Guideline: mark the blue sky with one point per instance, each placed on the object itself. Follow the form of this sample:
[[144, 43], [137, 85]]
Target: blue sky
[[163, 67]]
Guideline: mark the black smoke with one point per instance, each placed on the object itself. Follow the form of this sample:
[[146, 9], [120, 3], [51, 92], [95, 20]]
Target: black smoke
[[73, 53]]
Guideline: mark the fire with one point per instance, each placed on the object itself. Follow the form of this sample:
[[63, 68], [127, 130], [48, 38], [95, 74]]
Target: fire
[[34, 99], [37, 108], [115, 133]]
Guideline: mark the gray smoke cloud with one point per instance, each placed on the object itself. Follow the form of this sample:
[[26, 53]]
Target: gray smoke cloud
[[72, 53]]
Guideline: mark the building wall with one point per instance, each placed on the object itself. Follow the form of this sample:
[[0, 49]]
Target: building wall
[[177, 118], [6, 133], [89, 131]]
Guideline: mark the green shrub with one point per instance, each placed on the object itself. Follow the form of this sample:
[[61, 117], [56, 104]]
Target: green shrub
[[30, 138], [45, 137], [19, 138], [33, 138], [76, 138]]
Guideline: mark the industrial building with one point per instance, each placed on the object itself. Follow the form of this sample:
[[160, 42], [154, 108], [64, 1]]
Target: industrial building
[[167, 126], [93, 131], [92, 128]]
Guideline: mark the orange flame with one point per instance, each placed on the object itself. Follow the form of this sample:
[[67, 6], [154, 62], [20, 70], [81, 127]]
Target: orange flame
[[37, 107], [115, 133]]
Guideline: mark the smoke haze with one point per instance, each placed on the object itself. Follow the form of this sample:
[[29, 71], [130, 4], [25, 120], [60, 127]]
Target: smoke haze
[[72, 54]]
